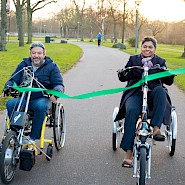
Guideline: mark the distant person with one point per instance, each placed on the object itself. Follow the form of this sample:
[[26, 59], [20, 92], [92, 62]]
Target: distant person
[[99, 37]]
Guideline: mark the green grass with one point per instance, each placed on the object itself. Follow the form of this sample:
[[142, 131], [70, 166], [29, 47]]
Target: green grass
[[65, 55]]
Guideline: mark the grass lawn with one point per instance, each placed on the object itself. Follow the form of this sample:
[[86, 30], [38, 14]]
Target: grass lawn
[[66, 55]]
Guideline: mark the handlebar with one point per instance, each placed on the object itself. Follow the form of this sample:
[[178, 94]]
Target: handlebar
[[157, 66], [143, 68]]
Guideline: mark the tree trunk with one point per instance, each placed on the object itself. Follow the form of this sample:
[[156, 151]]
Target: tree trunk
[[3, 26], [123, 26], [115, 29], [183, 54], [29, 20], [19, 20]]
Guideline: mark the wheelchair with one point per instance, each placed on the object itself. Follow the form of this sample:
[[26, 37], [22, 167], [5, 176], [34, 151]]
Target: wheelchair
[[144, 138], [14, 151]]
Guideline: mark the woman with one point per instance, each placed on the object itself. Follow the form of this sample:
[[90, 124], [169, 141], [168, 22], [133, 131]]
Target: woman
[[131, 102]]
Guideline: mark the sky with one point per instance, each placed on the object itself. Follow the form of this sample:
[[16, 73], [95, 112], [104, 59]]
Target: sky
[[164, 10]]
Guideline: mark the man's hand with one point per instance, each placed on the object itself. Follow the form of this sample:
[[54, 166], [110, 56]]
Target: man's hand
[[2, 95], [53, 99], [7, 90]]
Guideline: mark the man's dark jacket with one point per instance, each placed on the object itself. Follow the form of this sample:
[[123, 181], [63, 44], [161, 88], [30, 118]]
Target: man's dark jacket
[[48, 74], [135, 75]]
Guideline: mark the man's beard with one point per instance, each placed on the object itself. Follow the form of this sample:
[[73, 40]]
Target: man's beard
[[37, 64]]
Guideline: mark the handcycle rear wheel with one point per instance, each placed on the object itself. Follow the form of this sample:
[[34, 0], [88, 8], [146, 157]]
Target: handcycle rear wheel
[[114, 129], [59, 127], [172, 133], [8, 161], [142, 177]]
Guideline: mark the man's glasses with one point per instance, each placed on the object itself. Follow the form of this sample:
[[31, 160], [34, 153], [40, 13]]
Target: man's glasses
[[37, 45]]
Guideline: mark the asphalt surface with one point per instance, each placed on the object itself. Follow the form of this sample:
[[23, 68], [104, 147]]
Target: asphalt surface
[[87, 157]]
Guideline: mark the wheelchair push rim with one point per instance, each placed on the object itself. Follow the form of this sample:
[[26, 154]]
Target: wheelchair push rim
[[59, 128], [8, 160]]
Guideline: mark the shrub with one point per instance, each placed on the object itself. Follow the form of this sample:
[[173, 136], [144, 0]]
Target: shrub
[[131, 41]]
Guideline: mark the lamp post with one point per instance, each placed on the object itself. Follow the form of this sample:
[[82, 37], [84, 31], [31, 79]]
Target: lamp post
[[137, 3], [44, 29], [123, 26], [102, 29], [102, 17], [91, 28], [78, 34]]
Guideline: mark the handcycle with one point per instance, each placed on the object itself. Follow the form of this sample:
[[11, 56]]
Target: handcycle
[[144, 137], [16, 131]]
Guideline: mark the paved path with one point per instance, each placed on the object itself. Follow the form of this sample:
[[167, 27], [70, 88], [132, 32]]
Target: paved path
[[87, 157]]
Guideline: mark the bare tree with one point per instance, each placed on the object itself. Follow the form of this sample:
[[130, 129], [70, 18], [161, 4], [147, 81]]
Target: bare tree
[[68, 20], [3, 25], [31, 8], [19, 18], [124, 17], [80, 13], [115, 14], [156, 27]]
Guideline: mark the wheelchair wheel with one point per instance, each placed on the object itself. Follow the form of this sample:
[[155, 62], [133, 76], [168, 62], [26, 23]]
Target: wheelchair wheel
[[142, 177], [59, 127], [171, 131], [115, 129], [8, 160]]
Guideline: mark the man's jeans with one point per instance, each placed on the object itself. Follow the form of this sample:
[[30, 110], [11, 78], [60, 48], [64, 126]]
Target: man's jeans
[[39, 107]]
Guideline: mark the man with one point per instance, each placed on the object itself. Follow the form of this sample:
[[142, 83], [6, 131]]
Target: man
[[47, 73]]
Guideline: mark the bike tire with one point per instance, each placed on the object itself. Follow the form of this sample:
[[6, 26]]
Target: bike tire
[[8, 162], [114, 141], [172, 147], [142, 177], [173, 129], [114, 129]]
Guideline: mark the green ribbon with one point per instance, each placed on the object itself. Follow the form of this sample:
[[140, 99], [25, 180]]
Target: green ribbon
[[103, 92]]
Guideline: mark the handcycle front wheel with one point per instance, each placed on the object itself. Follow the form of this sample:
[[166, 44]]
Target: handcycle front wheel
[[142, 174], [8, 161], [59, 127]]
